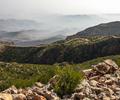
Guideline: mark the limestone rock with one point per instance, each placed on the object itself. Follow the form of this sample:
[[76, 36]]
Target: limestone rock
[[4, 96], [38, 84], [11, 90], [78, 96], [102, 68], [19, 97], [87, 71], [93, 83], [102, 82], [111, 63], [39, 97]]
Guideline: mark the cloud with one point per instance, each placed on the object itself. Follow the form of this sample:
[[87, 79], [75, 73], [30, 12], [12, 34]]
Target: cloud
[[31, 8]]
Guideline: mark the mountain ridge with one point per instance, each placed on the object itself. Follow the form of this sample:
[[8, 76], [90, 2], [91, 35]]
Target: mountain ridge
[[111, 28], [72, 51]]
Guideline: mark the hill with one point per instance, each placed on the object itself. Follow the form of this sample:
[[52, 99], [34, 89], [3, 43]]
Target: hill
[[112, 28], [73, 51], [40, 42], [28, 74], [30, 37], [9, 25]]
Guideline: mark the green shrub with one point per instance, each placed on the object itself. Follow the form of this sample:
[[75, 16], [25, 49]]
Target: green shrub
[[24, 75], [68, 78]]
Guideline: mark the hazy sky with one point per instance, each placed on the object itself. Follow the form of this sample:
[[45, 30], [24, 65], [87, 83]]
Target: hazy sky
[[24, 8]]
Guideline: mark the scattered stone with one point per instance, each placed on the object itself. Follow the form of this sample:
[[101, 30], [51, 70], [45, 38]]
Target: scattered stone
[[11, 90], [106, 98], [39, 97], [4, 96], [78, 96], [93, 82], [111, 63], [102, 68], [38, 84], [19, 97], [102, 82], [87, 71]]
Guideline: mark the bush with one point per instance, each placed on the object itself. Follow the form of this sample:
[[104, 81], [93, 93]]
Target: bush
[[67, 80]]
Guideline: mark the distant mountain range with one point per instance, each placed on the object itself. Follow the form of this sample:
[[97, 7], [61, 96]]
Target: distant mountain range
[[112, 28], [9, 25], [19, 30], [40, 42], [75, 49], [24, 35], [30, 37]]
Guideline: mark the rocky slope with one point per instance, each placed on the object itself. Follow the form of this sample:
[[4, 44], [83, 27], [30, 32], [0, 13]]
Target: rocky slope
[[112, 28], [102, 82]]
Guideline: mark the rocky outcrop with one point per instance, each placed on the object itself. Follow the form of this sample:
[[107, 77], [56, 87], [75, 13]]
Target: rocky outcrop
[[36, 92], [4, 96], [102, 82]]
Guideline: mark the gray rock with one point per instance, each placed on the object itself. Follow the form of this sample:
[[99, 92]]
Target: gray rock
[[11, 90], [111, 63], [102, 68], [38, 84], [101, 83], [93, 82]]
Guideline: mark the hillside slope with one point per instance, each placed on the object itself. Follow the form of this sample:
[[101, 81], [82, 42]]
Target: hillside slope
[[72, 51], [100, 82], [112, 28], [30, 73]]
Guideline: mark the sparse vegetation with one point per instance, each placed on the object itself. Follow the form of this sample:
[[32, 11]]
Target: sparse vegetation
[[28, 74]]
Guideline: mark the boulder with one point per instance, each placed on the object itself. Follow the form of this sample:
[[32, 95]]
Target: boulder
[[109, 82], [4, 96], [101, 83], [86, 98], [93, 82], [87, 71], [39, 97], [49, 95], [38, 84], [11, 90], [111, 63], [106, 98], [102, 68], [78, 96], [102, 79], [19, 97]]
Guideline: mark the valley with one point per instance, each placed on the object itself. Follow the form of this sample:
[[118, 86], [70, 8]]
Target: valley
[[59, 49], [58, 67]]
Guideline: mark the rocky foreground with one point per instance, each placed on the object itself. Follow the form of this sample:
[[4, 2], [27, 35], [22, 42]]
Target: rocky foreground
[[102, 82]]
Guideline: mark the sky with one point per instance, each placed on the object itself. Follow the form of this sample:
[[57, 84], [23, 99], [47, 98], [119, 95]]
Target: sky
[[27, 8]]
